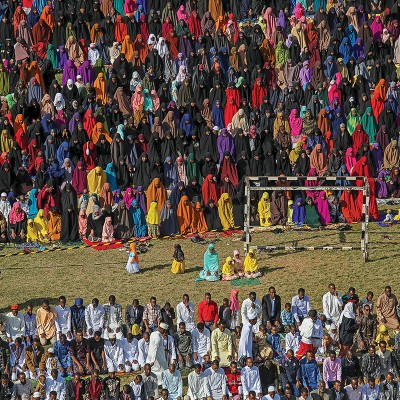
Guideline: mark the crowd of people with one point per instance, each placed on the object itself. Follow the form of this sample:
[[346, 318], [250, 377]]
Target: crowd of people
[[142, 118], [257, 348]]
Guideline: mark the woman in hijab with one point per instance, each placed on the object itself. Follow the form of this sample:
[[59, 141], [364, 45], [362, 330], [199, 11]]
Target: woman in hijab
[[168, 220], [139, 220], [225, 212], [347, 328], [264, 210], [17, 224], [211, 271], [299, 213], [318, 160], [95, 224], [312, 218]]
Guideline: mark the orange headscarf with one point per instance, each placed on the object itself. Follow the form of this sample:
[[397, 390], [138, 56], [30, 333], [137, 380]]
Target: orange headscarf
[[34, 72], [100, 86], [19, 15], [120, 29], [127, 48], [99, 130], [185, 215], [95, 32], [48, 16], [199, 222], [106, 196], [132, 248], [19, 123], [156, 192]]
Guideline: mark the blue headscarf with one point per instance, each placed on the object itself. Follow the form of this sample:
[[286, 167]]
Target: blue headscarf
[[111, 176], [176, 194], [186, 124], [32, 204], [351, 33], [299, 212], [170, 174], [346, 49], [139, 220], [211, 260], [63, 152], [218, 115], [47, 123]]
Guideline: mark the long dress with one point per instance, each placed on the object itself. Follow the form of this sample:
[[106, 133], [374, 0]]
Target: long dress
[[132, 265], [156, 355], [386, 310], [210, 271]]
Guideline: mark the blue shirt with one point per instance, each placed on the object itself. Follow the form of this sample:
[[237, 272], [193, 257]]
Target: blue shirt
[[61, 351], [310, 373]]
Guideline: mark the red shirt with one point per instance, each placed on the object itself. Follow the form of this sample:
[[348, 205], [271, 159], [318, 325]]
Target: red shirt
[[233, 381], [207, 312]]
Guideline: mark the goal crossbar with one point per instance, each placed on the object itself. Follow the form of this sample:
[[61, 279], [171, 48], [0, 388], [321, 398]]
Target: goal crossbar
[[263, 183]]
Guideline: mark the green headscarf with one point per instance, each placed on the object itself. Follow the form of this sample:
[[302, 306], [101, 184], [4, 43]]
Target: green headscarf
[[192, 168], [4, 83], [353, 121], [52, 55], [369, 124], [312, 217], [281, 53]]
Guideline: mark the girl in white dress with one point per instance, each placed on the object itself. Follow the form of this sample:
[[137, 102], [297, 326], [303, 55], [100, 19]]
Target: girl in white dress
[[132, 266]]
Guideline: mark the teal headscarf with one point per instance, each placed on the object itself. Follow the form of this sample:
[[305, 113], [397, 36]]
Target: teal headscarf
[[111, 176], [369, 124], [139, 220], [211, 259], [52, 55], [32, 204]]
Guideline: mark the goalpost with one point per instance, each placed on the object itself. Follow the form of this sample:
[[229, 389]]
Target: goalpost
[[271, 183]]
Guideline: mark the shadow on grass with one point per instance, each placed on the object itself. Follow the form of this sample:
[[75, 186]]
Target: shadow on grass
[[34, 302]]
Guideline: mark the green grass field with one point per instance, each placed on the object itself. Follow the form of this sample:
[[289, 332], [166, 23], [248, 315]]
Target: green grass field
[[89, 273]]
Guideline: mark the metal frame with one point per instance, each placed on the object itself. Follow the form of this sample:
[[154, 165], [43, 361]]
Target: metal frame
[[254, 184]]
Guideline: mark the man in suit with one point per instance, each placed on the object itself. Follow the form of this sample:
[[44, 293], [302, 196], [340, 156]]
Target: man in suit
[[337, 392], [73, 386], [271, 307], [134, 316], [389, 388]]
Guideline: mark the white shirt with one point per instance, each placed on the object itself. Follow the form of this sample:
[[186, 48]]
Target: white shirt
[[94, 317], [201, 341], [247, 306], [113, 321], [143, 348], [63, 321], [214, 383], [185, 315], [56, 386], [332, 306], [114, 353], [131, 350], [195, 386], [250, 378], [292, 342], [169, 347], [268, 397], [15, 325], [156, 350], [300, 307]]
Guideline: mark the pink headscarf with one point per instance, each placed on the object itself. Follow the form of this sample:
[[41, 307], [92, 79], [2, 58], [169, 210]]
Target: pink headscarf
[[349, 160], [82, 222], [234, 301], [108, 229], [295, 123], [17, 214], [137, 98], [377, 28], [270, 23], [181, 14], [323, 209], [129, 197]]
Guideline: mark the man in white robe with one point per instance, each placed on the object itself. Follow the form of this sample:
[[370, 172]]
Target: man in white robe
[[222, 345], [332, 305], [94, 317], [156, 355], [246, 336], [200, 343], [195, 384], [185, 313], [250, 378], [172, 381], [249, 306], [131, 353], [143, 346], [114, 353], [215, 382]]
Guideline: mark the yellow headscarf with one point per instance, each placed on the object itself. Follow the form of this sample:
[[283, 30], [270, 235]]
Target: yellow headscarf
[[229, 267], [153, 216], [32, 233], [225, 211], [264, 210], [96, 179], [41, 226], [250, 262]]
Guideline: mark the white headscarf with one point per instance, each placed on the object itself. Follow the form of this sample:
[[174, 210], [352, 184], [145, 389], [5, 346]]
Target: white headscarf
[[59, 102], [347, 312], [162, 47]]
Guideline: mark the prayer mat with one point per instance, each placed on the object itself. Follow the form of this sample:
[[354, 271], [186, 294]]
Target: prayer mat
[[28, 245], [245, 282], [103, 246]]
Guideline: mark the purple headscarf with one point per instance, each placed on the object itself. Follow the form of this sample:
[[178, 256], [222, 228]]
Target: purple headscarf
[[86, 72], [281, 21], [73, 123], [62, 58], [323, 208], [358, 51], [141, 199], [305, 74], [69, 72], [225, 143]]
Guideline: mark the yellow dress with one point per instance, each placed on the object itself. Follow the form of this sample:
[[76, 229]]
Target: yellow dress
[[225, 212], [178, 267], [397, 217], [264, 210], [96, 179], [290, 212], [32, 233], [40, 222]]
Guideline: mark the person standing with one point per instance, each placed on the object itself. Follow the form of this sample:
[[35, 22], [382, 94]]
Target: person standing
[[332, 305], [46, 323], [94, 317], [207, 312], [221, 345], [386, 309], [246, 337], [112, 318], [63, 321], [249, 306], [15, 324], [185, 313], [271, 307], [156, 355]]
